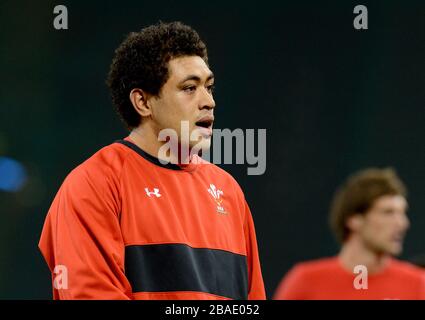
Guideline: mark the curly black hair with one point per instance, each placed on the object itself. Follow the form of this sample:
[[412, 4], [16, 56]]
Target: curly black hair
[[141, 61]]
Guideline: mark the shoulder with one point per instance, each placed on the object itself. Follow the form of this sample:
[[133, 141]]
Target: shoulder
[[407, 269], [297, 281], [93, 186], [102, 168], [318, 266]]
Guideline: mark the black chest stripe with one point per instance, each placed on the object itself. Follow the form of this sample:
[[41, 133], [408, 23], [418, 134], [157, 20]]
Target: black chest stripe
[[178, 267]]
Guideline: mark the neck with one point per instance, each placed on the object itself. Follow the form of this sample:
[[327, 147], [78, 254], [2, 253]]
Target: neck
[[354, 252], [146, 139]]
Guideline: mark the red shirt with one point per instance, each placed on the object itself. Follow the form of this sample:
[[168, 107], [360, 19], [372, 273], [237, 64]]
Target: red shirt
[[326, 279], [126, 226]]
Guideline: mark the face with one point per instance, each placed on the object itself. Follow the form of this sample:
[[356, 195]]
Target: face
[[186, 96], [383, 227]]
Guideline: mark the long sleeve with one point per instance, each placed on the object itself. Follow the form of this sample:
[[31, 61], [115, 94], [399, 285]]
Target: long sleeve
[[82, 239], [256, 289]]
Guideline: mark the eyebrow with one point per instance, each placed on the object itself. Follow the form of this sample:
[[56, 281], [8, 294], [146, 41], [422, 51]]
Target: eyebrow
[[196, 78]]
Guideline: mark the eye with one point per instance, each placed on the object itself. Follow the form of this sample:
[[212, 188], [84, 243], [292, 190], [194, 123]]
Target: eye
[[211, 88], [189, 89], [389, 212]]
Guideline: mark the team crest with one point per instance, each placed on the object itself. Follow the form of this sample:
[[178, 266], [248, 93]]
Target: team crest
[[216, 194]]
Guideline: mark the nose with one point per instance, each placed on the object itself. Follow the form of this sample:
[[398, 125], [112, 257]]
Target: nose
[[403, 221], [206, 100]]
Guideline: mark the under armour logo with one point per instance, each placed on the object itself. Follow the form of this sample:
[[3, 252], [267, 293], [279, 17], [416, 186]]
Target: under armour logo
[[155, 192]]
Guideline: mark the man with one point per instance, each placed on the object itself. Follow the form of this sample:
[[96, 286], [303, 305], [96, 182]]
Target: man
[[368, 216], [137, 222]]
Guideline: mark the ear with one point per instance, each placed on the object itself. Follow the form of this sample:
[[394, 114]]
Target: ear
[[355, 222], [140, 101]]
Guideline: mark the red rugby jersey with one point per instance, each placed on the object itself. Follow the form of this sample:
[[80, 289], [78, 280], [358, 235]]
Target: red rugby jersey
[[326, 279], [125, 226]]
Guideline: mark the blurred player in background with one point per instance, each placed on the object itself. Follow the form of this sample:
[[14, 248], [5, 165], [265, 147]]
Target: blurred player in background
[[368, 217], [129, 223]]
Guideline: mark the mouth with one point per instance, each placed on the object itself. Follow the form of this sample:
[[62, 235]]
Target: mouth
[[398, 238], [204, 125], [205, 122]]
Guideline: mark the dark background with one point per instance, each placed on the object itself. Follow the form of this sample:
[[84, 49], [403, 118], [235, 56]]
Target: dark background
[[333, 100]]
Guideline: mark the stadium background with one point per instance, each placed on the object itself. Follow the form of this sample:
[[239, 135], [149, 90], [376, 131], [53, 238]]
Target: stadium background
[[333, 100]]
